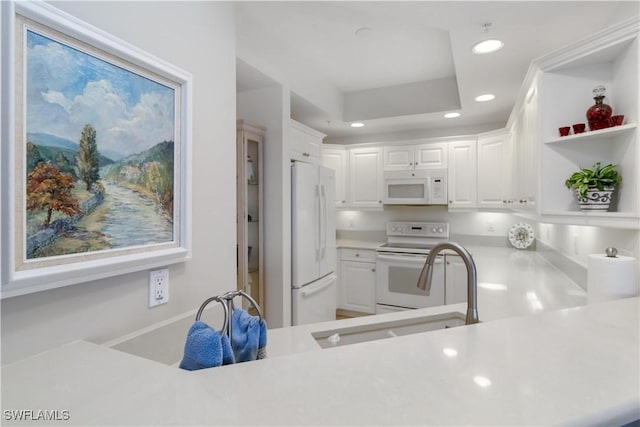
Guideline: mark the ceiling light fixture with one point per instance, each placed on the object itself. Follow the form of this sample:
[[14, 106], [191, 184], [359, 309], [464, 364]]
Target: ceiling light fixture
[[356, 125], [489, 45], [452, 115], [485, 97]]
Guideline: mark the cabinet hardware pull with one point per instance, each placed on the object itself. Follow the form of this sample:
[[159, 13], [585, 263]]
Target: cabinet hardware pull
[[357, 255], [373, 270]]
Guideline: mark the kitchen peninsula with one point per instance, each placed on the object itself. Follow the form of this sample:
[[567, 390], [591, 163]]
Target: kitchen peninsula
[[576, 366]]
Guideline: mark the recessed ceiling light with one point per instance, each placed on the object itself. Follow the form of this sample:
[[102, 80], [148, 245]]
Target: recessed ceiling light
[[485, 97], [487, 46], [356, 125], [452, 115]]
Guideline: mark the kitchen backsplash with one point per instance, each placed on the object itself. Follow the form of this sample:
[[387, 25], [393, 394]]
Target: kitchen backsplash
[[572, 241]]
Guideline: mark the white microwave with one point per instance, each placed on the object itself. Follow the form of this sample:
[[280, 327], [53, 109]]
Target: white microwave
[[415, 187]]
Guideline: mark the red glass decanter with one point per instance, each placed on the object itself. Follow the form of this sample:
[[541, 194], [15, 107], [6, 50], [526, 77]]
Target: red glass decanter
[[599, 114]]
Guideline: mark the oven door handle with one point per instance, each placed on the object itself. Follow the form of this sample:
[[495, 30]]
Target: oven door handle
[[408, 257]]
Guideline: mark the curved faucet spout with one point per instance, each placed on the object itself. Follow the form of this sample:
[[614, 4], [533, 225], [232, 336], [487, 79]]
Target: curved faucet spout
[[424, 280]]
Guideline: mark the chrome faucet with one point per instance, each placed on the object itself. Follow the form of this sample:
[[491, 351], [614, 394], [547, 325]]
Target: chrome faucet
[[424, 280]]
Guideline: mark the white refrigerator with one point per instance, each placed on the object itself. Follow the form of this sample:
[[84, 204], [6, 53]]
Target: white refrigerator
[[313, 244]]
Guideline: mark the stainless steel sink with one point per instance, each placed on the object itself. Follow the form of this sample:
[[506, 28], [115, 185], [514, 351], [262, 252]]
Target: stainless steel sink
[[389, 329]]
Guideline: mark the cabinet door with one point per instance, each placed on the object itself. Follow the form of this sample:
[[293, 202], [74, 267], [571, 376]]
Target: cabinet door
[[358, 286], [455, 279], [494, 172], [336, 159], [462, 174], [398, 157], [298, 145], [365, 178], [306, 143], [249, 211], [431, 156], [526, 157]]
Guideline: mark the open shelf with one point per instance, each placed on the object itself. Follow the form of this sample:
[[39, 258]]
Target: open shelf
[[601, 134]]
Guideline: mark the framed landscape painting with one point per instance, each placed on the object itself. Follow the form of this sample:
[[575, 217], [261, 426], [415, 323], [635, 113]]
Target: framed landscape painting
[[97, 160]]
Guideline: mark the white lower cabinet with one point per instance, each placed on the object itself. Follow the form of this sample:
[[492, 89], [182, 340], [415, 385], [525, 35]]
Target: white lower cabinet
[[455, 280], [357, 288]]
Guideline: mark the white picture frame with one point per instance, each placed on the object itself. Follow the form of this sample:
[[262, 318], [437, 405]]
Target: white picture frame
[[82, 257]]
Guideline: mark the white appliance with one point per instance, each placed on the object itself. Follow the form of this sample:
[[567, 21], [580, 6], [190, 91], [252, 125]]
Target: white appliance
[[399, 262], [313, 244], [415, 187]]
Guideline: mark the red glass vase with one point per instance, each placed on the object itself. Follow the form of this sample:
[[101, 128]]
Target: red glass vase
[[599, 114]]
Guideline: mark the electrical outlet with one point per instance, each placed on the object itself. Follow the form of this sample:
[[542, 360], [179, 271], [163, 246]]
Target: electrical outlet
[[158, 287]]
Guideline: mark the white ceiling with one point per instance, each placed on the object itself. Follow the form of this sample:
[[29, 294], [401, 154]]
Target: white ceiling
[[394, 74]]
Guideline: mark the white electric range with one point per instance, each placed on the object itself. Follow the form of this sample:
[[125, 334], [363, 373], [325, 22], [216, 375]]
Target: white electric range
[[399, 262]]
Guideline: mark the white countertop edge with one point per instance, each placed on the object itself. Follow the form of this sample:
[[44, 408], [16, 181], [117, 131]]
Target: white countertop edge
[[102, 386]]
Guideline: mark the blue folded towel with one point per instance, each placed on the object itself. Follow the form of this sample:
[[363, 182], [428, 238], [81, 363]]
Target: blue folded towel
[[205, 348], [248, 336]]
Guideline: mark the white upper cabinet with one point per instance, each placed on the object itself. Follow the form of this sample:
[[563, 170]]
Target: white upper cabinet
[[337, 158], [365, 177], [431, 156], [398, 157], [409, 157], [525, 154], [566, 84], [462, 174], [495, 172], [306, 143]]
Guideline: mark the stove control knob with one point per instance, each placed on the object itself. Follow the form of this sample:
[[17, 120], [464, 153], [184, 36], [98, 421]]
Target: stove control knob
[[440, 230], [434, 230]]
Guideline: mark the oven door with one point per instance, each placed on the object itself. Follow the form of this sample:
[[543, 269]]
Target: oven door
[[397, 277]]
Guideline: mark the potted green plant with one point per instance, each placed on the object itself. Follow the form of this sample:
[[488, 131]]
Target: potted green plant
[[595, 187]]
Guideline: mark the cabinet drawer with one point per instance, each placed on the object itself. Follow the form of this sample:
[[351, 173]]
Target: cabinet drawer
[[358, 255]]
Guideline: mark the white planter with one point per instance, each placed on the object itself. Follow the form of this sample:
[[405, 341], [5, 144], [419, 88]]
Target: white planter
[[596, 200]]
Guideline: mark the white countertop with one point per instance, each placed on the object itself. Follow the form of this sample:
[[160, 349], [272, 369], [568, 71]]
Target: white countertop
[[358, 244], [577, 366], [511, 282], [568, 364]]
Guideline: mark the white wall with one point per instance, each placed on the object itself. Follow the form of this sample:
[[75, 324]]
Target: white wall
[[578, 242], [198, 37], [270, 107]]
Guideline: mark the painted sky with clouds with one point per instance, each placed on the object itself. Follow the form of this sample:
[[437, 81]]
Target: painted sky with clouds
[[67, 89]]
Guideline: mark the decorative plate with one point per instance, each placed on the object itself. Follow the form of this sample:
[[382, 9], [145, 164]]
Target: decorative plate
[[521, 235]]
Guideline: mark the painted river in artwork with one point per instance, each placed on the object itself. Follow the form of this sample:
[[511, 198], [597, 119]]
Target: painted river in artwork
[[131, 219], [124, 219]]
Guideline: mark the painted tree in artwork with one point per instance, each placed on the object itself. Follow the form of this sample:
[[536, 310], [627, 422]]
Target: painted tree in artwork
[[50, 189], [88, 157]]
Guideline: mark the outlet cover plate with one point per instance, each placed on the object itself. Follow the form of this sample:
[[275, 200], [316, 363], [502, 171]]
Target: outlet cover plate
[[158, 287]]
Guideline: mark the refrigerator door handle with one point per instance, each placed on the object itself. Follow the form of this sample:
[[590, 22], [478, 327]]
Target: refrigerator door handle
[[319, 231], [323, 221], [315, 289]]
